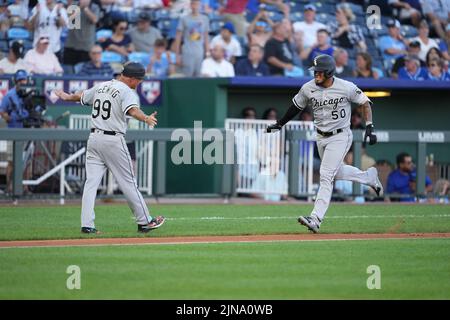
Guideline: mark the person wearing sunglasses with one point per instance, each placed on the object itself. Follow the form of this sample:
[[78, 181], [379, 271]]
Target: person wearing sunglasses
[[436, 70], [120, 41], [95, 67]]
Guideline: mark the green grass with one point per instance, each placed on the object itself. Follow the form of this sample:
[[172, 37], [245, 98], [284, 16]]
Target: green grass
[[21, 223], [410, 269]]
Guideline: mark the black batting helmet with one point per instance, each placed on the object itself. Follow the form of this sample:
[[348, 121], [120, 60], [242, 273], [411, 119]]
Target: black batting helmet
[[324, 63], [133, 70]]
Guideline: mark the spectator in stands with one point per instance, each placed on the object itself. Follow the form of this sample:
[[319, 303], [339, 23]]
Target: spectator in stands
[[392, 46], [234, 11], [227, 40], [259, 30], [253, 65], [147, 4], [444, 44], [306, 31], [342, 68], [425, 42], [356, 122], [407, 11], [143, 35], [4, 15], [433, 53], [80, 40], [403, 179], [412, 69], [217, 65], [162, 63], [347, 34], [41, 60], [49, 17], [180, 8], [193, 30], [364, 67], [278, 52], [95, 67], [270, 114], [436, 70], [19, 12], [322, 47], [442, 191], [14, 61], [120, 41], [438, 14], [413, 49]]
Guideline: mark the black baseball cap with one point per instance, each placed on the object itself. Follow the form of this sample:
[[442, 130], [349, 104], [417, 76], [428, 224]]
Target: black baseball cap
[[133, 70], [144, 16], [414, 44]]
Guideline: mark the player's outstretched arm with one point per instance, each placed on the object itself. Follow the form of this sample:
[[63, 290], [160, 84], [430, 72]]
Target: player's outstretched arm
[[367, 111], [141, 116], [75, 97], [289, 115]]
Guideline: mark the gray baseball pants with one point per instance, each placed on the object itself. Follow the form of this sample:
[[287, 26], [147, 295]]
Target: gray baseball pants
[[110, 152], [332, 151]]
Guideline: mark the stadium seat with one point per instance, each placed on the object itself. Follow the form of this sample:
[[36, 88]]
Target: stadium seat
[[161, 14], [295, 7], [296, 16], [141, 57], [173, 29], [18, 33], [110, 57], [275, 16], [164, 26], [77, 68], [268, 7], [214, 16], [324, 7], [409, 31], [4, 46], [215, 26], [379, 71], [325, 18], [356, 9], [67, 68], [103, 34]]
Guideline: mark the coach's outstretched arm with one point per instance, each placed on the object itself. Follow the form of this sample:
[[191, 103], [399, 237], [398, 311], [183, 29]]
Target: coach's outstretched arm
[[74, 97], [137, 113], [367, 111], [288, 116]]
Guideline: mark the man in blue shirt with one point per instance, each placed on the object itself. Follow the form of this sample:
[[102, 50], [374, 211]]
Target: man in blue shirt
[[13, 111], [403, 179], [393, 45], [253, 65], [412, 69], [95, 67], [12, 107]]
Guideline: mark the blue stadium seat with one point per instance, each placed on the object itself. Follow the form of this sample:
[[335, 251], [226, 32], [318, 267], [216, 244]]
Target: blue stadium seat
[[324, 7], [357, 9], [295, 7], [164, 26], [325, 18], [379, 71], [296, 16], [161, 14], [77, 68], [214, 16], [141, 57], [275, 16], [268, 7], [110, 57], [4, 46], [103, 34], [18, 34], [173, 29], [409, 31], [215, 26]]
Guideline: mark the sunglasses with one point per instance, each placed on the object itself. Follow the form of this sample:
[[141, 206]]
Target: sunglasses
[[96, 52], [123, 28]]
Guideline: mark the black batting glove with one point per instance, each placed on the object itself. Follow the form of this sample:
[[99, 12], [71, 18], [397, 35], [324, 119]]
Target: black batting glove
[[370, 134], [273, 128]]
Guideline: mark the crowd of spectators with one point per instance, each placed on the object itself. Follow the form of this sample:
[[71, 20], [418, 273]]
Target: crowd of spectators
[[257, 37]]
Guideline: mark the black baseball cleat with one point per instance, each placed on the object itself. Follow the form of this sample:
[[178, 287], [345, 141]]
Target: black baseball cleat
[[309, 223], [154, 224], [89, 230]]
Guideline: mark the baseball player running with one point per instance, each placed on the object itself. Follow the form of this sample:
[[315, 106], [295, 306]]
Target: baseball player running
[[330, 99], [111, 102]]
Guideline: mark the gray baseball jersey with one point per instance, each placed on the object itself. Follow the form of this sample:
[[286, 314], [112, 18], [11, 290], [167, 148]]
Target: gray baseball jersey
[[110, 103], [331, 106]]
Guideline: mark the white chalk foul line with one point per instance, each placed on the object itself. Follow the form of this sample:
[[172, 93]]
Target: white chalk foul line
[[328, 217]]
